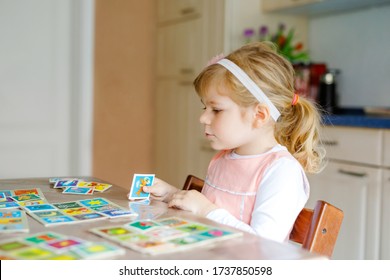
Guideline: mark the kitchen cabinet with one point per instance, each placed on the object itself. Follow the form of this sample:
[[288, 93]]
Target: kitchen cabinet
[[176, 10], [385, 234], [385, 240], [386, 147], [271, 5], [356, 190], [178, 45], [317, 7], [353, 181], [173, 101], [188, 35]]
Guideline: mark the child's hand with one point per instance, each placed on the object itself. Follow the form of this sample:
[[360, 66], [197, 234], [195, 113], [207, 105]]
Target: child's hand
[[192, 201], [160, 190]]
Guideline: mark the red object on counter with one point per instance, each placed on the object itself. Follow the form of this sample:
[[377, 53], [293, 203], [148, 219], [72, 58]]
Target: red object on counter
[[307, 79]]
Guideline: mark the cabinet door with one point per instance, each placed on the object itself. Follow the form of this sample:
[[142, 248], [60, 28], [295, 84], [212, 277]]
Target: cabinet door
[[174, 10], [345, 144], [386, 148], [356, 190], [179, 50], [385, 235], [175, 129]]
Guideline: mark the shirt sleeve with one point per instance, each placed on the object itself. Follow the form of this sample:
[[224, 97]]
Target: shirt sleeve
[[282, 194]]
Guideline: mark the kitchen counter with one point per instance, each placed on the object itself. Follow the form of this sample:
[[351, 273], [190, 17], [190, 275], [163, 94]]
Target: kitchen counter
[[356, 118]]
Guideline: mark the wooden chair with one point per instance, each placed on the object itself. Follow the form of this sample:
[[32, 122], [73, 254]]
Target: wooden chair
[[315, 229]]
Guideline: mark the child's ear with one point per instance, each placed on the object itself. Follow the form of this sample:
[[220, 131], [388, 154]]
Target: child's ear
[[262, 115]]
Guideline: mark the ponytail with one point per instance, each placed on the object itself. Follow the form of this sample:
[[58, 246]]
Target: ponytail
[[298, 130]]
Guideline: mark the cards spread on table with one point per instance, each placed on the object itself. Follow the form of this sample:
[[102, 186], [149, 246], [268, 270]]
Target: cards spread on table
[[139, 181], [54, 246], [78, 186], [166, 235], [21, 198], [78, 211]]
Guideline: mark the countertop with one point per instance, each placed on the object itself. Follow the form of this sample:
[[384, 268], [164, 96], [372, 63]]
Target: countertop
[[356, 117]]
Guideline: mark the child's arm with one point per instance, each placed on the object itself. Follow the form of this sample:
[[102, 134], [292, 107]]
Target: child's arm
[[192, 201], [160, 190]]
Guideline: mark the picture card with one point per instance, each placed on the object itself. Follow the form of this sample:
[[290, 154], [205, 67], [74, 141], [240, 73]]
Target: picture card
[[78, 190], [139, 181], [98, 187], [3, 197], [66, 183], [39, 207], [13, 221]]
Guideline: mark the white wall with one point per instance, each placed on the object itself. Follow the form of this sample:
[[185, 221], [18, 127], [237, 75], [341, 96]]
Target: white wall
[[357, 43], [46, 71], [248, 14]]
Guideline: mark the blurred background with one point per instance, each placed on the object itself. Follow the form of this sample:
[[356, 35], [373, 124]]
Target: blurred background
[[103, 88]]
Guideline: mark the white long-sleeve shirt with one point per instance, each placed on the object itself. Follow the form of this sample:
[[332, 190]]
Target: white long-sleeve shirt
[[281, 195]]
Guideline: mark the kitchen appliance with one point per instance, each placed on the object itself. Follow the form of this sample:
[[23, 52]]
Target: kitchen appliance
[[327, 93], [307, 79]]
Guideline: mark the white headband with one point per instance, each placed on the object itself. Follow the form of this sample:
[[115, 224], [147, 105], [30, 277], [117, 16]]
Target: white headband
[[250, 85]]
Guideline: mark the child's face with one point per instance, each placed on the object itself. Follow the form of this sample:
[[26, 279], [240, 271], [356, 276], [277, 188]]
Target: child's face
[[226, 124]]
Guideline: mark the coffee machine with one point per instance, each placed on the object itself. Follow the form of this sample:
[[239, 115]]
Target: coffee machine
[[327, 92]]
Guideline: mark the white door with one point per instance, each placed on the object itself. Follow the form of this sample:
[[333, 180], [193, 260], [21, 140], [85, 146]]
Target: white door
[[45, 92]]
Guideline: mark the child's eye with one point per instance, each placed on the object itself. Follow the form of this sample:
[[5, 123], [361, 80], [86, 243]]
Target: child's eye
[[217, 110]]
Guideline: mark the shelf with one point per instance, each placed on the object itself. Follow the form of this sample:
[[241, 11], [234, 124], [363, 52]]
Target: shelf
[[322, 7]]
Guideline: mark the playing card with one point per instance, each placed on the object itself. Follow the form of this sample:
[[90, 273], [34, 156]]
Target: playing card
[[139, 181]]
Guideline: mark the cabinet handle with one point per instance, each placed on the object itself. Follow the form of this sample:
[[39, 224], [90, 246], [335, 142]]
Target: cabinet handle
[[187, 11], [330, 142], [352, 173]]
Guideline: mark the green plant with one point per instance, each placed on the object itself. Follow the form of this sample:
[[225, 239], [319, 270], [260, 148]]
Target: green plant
[[283, 40]]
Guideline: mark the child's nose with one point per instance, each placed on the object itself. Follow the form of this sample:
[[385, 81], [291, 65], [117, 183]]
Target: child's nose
[[204, 119]]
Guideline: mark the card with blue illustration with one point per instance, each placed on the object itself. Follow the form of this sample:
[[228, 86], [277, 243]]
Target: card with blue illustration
[[66, 183], [140, 181], [13, 221]]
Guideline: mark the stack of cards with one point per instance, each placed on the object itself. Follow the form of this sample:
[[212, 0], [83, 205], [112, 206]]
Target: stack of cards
[[55, 246], [139, 181], [21, 197], [77, 211], [78, 186], [165, 235]]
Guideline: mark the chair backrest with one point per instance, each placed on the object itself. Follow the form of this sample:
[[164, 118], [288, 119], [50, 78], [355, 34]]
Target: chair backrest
[[315, 229]]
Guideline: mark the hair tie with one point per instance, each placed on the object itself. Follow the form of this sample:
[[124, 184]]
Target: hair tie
[[295, 99]]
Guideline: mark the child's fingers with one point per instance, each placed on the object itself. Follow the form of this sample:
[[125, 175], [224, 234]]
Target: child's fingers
[[175, 203], [178, 200]]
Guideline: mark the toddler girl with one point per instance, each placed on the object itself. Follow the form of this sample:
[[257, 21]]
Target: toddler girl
[[267, 138]]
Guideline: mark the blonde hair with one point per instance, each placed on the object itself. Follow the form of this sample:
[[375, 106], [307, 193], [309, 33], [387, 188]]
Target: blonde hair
[[298, 125]]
